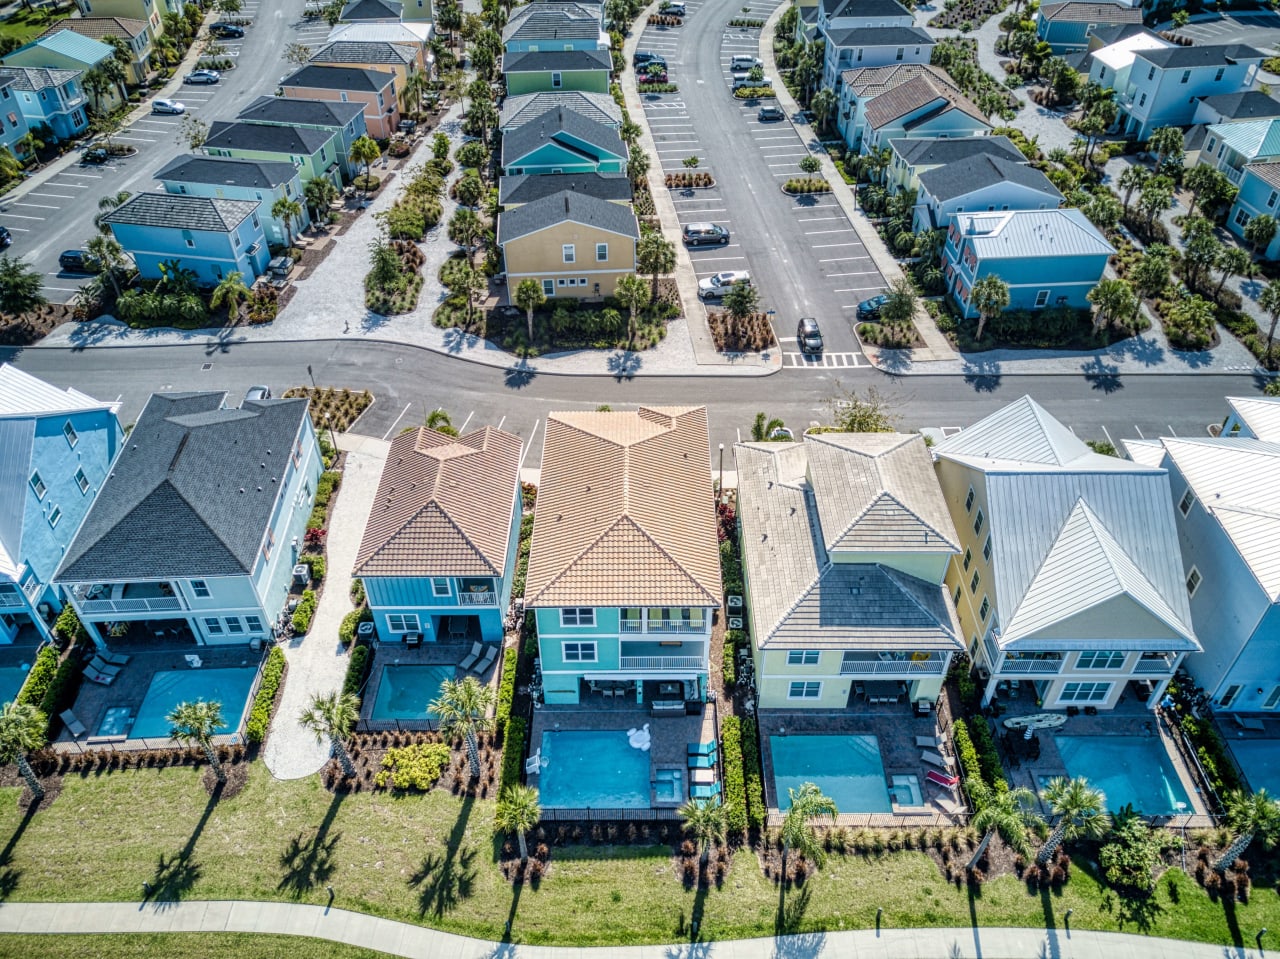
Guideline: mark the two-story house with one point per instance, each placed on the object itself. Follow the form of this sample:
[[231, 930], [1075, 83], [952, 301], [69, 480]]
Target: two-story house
[[372, 11], [59, 445], [563, 141], [381, 56], [911, 100], [572, 243], [13, 123], [1259, 194], [1047, 257], [851, 48], [1242, 106], [554, 26], [624, 568], [1228, 518], [374, 89], [534, 71], [1228, 147], [1067, 26], [1111, 64], [313, 151], [834, 15], [413, 34], [440, 544], [344, 120], [845, 541], [209, 236], [227, 178], [597, 107], [979, 183], [55, 98], [514, 191], [195, 532], [150, 12], [911, 157], [135, 33], [67, 50], [1071, 579]]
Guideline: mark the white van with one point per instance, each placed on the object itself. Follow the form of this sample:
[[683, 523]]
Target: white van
[[743, 62], [741, 80]]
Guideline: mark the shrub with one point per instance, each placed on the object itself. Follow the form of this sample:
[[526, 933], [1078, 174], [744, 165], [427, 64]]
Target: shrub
[[314, 562], [357, 591], [327, 485], [730, 669], [40, 677], [985, 745], [357, 670], [506, 688], [735, 794], [62, 691], [970, 769], [752, 777], [367, 184], [1130, 856], [306, 609], [413, 767], [317, 518], [347, 628], [68, 626], [263, 703], [512, 753]]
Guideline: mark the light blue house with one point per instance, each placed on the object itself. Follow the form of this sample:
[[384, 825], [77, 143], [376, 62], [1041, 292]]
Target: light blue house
[[563, 141], [210, 236], [624, 568], [194, 535], [1259, 194], [440, 546], [67, 50], [1047, 257], [1228, 147], [904, 100], [226, 178], [13, 124], [52, 97], [1067, 27], [554, 26], [56, 448]]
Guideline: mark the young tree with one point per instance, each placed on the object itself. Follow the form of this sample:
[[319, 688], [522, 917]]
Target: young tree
[[106, 204], [807, 803], [196, 723], [1250, 817], [465, 228], [1167, 143], [319, 192], [655, 255], [1207, 185], [472, 154], [1133, 178], [810, 164], [900, 306], [766, 429], [1009, 812], [364, 152], [21, 286], [633, 293], [1104, 211], [110, 256], [1180, 19], [824, 105], [463, 708], [414, 90], [193, 133], [1150, 275], [707, 822], [1270, 301], [1232, 261], [22, 731], [1081, 810], [469, 190], [518, 812], [529, 297], [384, 265], [1113, 301], [297, 54], [287, 210], [1259, 232], [868, 413], [1200, 250], [637, 164], [231, 291], [990, 297], [332, 716]]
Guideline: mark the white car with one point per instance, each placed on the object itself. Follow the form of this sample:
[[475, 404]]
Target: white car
[[714, 287], [168, 106]]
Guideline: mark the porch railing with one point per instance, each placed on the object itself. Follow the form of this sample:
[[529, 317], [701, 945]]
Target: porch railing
[[1162, 664], [661, 662], [158, 604], [898, 667], [10, 600], [667, 626], [477, 599], [991, 652], [1040, 666]]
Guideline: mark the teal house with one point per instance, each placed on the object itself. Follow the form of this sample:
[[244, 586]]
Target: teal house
[[345, 120], [554, 26], [536, 71], [1068, 27], [53, 97], [440, 545], [563, 141], [1259, 194], [314, 151], [227, 178], [624, 567]]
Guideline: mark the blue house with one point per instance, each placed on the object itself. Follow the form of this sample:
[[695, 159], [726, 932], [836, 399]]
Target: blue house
[[1259, 193], [13, 124], [58, 447], [554, 26], [51, 97], [440, 545], [210, 236], [258, 181], [624, 568], [1067, 26], [1047, 257], [563, 141], [194, 534]]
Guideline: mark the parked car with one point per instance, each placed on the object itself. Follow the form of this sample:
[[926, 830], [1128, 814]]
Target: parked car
[[6, 238], [202, 76], [77, 261], [408, 126], [167, 106], [258, 393], [674, 9], [648, 56], [743, 81], [808, 335], [95, 156], [717, 285], [742, 61], [768, 114], [869, 310], [227, 31], [700, 234]]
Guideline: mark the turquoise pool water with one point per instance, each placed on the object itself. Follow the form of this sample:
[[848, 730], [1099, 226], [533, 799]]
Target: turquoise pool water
[[846, 768], [230, 687], [405, 691], [11, 680], [597, 770], [1129, 769], [1260, 760]]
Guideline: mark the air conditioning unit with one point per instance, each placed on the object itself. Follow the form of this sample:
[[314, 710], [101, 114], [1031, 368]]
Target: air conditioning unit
[[735, 622], [735, 602]]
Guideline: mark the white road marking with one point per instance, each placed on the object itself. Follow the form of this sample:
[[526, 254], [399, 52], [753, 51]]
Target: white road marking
[[824, 246], [19, 216], [848, 229]]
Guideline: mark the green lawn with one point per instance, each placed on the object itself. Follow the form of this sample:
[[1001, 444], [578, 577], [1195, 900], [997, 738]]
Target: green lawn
[[180, 946], [26, 25], [430, 859]]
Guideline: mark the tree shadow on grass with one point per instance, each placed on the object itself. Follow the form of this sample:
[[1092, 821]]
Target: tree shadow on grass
[[444, 879], [1140, 910], [10, 877], [791, 911], [1233, 921], [308, 863], [176, 875], [1053, 948]]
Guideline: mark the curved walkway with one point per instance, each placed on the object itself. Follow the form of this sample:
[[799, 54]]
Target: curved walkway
[[403, 939]]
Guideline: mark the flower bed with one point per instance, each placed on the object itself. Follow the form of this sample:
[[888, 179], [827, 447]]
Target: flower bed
[[342, 407], [804, 185], [746, 22], [657, 87], [664, 20], [754, 93], [748, 335], [685, 181]]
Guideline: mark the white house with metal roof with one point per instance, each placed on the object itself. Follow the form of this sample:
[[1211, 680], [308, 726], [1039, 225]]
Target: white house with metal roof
[[845, 542], [1070, 581]]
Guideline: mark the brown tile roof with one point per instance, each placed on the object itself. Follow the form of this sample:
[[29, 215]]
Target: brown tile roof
[[443, 506], [1268, 173], [625, 511], [870, 82], [98, 27], [916, 93]]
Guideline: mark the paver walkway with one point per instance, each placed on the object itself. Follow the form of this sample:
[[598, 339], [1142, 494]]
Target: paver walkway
[[317, 661], [403, 939]]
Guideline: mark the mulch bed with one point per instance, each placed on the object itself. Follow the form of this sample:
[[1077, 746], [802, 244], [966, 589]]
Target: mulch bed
[[368, 749], [32, 327], [237, 777], [52, 789], [752, 335]]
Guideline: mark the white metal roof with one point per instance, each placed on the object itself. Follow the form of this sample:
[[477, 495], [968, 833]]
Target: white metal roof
[[1019, 234], [405, 32], [1144, 452], [23, 395], [1259, 414], [1121, 54]]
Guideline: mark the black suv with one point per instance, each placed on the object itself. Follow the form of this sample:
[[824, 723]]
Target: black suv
[[648, 56], [6, 238], [77, 261], [808, 335], [228, 31], [869, 310]]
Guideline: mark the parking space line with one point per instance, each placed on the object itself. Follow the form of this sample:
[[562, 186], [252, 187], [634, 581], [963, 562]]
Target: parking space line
[[712, 259], [821, 232], [137, 139], [18, 229], [815, 219], [87, 176], [55, 196], [19, 216], [698, 213], [825, 246], [39, 206], [844, 259]]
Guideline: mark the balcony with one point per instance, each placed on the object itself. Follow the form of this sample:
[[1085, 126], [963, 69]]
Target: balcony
[[10, 598], [876, 666], [661, 662], [1156, 664], [1233, 174], [477, 599], [126, 598], [1037, 666], [669, 627]]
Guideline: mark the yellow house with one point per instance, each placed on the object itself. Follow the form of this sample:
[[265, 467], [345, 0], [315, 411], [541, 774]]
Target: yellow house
[[572, 244], [382, 56]]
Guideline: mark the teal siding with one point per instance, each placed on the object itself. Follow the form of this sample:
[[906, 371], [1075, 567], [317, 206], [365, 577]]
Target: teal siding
[[413, 594], [551, 157], [1251, 202]]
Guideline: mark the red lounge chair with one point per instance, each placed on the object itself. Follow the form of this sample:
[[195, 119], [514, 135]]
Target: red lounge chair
[[942, 779]]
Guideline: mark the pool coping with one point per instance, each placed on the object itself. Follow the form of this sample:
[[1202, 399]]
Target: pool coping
[[374, 687]]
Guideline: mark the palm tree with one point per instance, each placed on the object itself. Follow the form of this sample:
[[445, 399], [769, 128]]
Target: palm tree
[[415, 87], [440, 421], [1133, 178], [463, 708], [632, 293], [231, 290], [1114, 300], [465, 228], [823, 105], [28, 145], [96, 84], [1258, 232], [1250, 817], [1004, 811], [319, 192], [1232, 261], [655, 255], [196, 723], [176, 278], [22, 731], [708, 822], [529, 297], [287, 209], [764, 427], [1270, 301], [990, 297], [364, 151], [110, 256], [1081, 810], [518, 812], [807, 803], [115, 73], [106, 204], [332, 717], [1166, 141]]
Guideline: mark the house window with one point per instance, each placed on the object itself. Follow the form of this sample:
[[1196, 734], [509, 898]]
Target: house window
[[82, 481], [560, 281], [978, 522], [973, 583], [37, 486], [802, 657], [1142, 100], [548, 287], [1212, 143], [958, 593], [1241, 217], [579, 652], [602, 252], [1271, 200], [1194, 579], [1272, 700], [984, 608], [234, 625], [567, 252], [1188, 500], [578, 616], [804, 690], [199, 589], [253, 624], [54, 517], [968, 558], [402, 622], [1218, 76], [1084, 692], [69, 432], [187, 238], [1042, 298], [968, 501], [1186, 75], [986, 550], [440, 587], [555, 81], [899, 54], [1151, 74], [1100, 659], [1229, 696], [213, 626]]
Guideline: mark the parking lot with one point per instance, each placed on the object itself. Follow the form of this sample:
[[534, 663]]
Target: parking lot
[[1260, 30]]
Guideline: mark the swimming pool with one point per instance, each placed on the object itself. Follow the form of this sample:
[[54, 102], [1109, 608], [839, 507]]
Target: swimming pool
[[1129, 769], [405, 691], [597, 770], [230, 687], [11, 680], [668, 786], [1260, 761], [846, 768]]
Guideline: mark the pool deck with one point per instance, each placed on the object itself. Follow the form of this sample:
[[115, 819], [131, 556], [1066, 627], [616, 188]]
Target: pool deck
[[1233, 733], [428, 654]]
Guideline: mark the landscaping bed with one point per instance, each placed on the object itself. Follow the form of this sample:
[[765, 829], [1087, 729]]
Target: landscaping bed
[[751, 334], [685, 181], [754, 93], [1053, 328], [390, 296], [376, 755], [804, 185], [28, 328], [333, 408]]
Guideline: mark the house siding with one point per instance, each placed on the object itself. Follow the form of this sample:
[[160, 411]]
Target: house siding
[[1071, 277], [1252, 201], [934, 214], [1148, 101], [380, 122], [540, 256], [539, 81], [211, 255], [273, 227]]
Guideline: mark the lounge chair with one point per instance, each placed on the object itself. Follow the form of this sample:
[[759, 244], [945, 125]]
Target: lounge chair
[[102, 667], [935, 759], [702, 762], [703, 776], [482, 667], [115, 659], [948, 805], [702, 749], [930, 742], [1253, 725], [74, 726], [699, 791], [941, 779], [94, 676], [469, 660]]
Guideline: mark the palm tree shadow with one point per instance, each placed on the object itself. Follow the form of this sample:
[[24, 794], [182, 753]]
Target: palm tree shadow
[[1233, 922], [176, 875], [791, 911], [9, 877], [444, 880], [308, 863]]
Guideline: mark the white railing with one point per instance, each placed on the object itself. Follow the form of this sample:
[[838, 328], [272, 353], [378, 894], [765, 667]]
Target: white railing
[[33, 588], [661, 662], [10, 600], [477, 599], [1031, 666], [675, 626], [160, 604], [898, 667], [992, 653], [1163, 664], [1234, 174], [630, 626]]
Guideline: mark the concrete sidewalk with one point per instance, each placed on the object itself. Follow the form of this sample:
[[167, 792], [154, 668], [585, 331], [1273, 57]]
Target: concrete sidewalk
[[403, 939]]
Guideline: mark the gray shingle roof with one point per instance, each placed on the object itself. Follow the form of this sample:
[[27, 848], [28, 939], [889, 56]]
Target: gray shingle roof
[[1175, 58], [372, 10], [557, 126], [566, 206], [561, 61], [552, 21], [926, 151], [527, 188], [178, 211], [289, 110], [977, 172], [864, 8], [297, 141], [1091, 11], [343, 51], [519, 110], [229, 171], [191, 493], [880, 37], [339, 78], [1243, 105], [34, 79]]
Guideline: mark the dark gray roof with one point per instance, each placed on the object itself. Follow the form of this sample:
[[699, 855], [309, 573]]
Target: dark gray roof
[[290, 110], [527, 188], [339, 78], [567, 206], [864, 8], [33, 79], [191, 493], [372, 10], [363, 51], [178, 211], [557, 125], [519, 110], [561, 61], [553, 21], [1243, 105], [977, 172], [1077, 60], [880, 37], [928, 151], [296, 141], [1181, 58], [228, 171]]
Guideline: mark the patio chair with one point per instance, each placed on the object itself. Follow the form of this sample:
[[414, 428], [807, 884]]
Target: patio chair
[[702, 762], [930, 742], [477, 650], [115, 659], [74, 726], [935, 759], [941, 779], [699, 791], [482, 667], [702, 749], [102, 679], [1253, 725], [102, 667], [948, 805]]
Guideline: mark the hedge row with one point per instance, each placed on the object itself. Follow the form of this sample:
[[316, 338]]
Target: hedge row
[[347, 628], [68, 626], [752, 775], [62, 692], [357, 669], [506, 688], [985, 746], [263, 703], [1212, 753], [512, 753], [735, 793], [970, 768], [305, 610], [730, 665], [329, 481], [39, 677]]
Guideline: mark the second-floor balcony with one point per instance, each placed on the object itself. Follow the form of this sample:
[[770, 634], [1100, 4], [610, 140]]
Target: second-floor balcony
[[662, 656], [1233, 174], [892, 664], [477, 599], [10, 597], [1019, 664], [653, 621], [1160, 663], [125, 598]]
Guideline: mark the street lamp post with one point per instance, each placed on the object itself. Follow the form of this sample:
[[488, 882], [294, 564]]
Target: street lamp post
[[722, 472]]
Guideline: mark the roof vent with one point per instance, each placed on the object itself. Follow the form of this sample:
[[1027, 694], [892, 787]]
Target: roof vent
[[241, 489]]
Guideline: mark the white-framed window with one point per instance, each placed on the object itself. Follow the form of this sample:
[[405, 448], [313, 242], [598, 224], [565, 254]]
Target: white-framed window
[[1194, 579], [82, 481], [55, 517], [602, 252], [968, 558], [578, 616], [802, 657], [1188, 500], [1242, 217], [955, 598], [1142, 100], [213, 626], [69, 432], [440, 587], [1273, 699], [37, 486], [548, 287], [1218, 76], [968, 500], [1212, 142], [567, 251], [579, 652], [234, 626], [805, 690], [199, 589], [1100, 659], [1084, 692], [1186, 76], [556, 80], [253, 624], [986, 550], [403, 622], [978, 522], [1271, 200], [1042, 298], [973, 583], [984, 608], [1151, 74]]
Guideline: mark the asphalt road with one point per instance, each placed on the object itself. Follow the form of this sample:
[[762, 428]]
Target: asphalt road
[[1258, 29], [58, 215]]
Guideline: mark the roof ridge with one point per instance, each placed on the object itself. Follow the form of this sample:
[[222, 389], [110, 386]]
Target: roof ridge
[[434, 506], [896, 576], [795, 603]]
